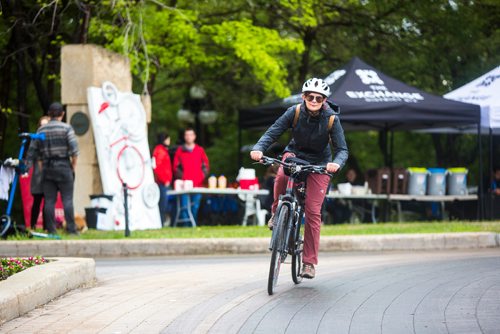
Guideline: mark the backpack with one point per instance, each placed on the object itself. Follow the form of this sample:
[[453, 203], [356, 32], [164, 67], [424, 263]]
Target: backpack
[[296, 118]]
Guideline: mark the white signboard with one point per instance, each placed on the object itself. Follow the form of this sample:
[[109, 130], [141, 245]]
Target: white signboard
[[119, 124]]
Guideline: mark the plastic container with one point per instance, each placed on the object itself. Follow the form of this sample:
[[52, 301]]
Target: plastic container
[[436, 181], [379, 180], [457, 181], [101, 200], [212, 182], [178, 184], [399, 180], [246, 174], [250, 184], [103, 204], [188, 185], [93, 215], [222, 182], [417, 180], [345, 188]]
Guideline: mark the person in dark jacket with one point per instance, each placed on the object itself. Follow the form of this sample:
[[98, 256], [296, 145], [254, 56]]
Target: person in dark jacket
[[310, 141], [36, 182], [58, 154]]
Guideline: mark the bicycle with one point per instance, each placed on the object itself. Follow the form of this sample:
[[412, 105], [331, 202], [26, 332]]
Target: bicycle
[[7, 226], [287, 238]]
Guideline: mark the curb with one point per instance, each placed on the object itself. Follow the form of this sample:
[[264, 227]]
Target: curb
[[412, 242], [38, 285], [178, 247]]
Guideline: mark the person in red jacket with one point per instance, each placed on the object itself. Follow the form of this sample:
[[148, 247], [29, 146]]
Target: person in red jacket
[[162, 168], [191, 163]]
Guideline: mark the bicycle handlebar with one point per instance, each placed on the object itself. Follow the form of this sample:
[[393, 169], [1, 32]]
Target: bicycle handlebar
[[295, 167], [34, 136]]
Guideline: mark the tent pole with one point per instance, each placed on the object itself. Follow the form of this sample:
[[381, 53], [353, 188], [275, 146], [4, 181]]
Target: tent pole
[[240, 160], [391, 159], [491, 175], [385, 145], [480, 183]]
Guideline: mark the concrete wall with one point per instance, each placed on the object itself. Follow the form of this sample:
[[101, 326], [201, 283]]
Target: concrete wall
[[83, 66]]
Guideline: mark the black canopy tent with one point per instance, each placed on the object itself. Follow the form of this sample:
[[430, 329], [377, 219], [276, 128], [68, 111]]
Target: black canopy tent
[[371, 100]]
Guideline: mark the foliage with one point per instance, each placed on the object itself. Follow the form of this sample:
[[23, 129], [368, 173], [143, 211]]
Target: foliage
[[245, 53], [178, 39], [11, 266]]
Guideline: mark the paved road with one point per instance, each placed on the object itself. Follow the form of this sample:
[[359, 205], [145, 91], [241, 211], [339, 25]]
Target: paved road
[[419, 292]]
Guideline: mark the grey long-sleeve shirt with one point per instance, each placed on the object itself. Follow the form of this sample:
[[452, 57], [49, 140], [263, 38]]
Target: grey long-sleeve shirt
[[310, 136]]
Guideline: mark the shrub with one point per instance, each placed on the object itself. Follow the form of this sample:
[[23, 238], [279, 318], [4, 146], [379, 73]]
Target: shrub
[[10, 266]]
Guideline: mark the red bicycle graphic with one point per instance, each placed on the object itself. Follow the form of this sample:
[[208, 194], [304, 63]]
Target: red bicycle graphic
[[129, 159], [123, 122]]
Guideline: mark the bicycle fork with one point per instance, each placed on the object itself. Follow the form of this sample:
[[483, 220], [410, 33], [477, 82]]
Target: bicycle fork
[[298, 215]]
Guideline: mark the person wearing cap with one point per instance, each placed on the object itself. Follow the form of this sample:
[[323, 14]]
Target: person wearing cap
[[58, 155], [311, 137]]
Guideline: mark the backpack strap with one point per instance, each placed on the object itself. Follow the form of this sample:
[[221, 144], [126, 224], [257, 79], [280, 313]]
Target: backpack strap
[[330, 122], [296, 117]]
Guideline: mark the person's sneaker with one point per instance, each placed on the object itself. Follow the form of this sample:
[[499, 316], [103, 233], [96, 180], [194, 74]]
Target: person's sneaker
[[308, 271], [270, 223]]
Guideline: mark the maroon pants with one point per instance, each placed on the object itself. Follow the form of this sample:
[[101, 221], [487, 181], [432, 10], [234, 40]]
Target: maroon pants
[[317, 185]]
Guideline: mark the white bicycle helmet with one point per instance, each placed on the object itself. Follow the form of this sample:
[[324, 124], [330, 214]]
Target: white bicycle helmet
[[316, 85]]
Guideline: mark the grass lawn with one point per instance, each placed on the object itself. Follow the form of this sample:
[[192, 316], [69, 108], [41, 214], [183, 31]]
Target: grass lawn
[[327, 230]]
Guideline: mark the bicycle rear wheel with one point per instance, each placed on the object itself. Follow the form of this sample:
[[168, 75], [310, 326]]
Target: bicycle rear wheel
[[277, 257], [297, 253]]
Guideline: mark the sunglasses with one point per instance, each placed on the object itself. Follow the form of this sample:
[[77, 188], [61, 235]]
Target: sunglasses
[[311, 98]]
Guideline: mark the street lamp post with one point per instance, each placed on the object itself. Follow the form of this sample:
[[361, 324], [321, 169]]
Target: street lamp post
[[193, 113]]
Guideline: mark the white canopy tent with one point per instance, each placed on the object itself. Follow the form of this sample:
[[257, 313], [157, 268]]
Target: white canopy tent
[[484, 91]]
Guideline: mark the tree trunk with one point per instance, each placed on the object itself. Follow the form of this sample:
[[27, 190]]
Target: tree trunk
[[84, 31], [37, 80], [53, 60], [5, 84], [308, 39], [22, 81]]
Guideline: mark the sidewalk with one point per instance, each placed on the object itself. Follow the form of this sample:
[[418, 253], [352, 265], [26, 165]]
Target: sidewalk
[[38, 285], [176, 247]]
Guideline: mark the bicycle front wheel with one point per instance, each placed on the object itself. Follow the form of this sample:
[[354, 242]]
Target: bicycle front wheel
[[278, 247]]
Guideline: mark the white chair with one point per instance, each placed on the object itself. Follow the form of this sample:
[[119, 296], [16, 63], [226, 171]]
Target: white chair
[[252, 208]]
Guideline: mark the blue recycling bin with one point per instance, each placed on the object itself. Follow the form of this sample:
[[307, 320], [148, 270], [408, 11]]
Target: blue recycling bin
[[436, 182]]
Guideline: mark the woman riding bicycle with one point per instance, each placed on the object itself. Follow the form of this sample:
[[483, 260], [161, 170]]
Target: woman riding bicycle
[[311, 134]]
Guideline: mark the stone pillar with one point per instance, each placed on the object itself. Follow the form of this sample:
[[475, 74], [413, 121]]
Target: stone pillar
[[83, 66]]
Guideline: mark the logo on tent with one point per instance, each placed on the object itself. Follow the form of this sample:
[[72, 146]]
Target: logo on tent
[[369, 77], [488, 80]]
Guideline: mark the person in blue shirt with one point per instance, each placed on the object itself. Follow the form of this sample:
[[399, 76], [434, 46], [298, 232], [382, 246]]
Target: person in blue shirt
[[495, 185]]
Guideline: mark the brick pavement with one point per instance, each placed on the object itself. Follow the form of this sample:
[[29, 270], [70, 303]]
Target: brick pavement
[[388, 292]]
